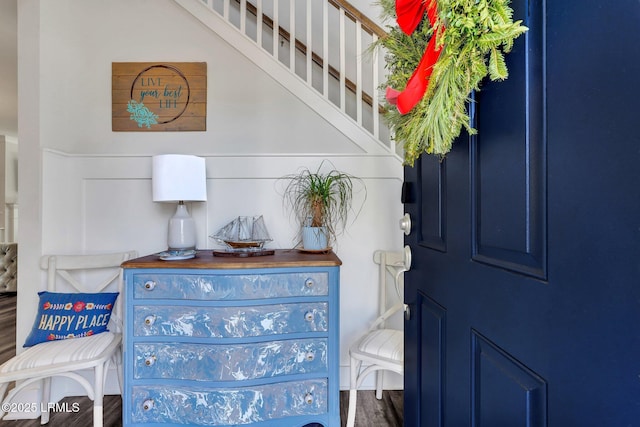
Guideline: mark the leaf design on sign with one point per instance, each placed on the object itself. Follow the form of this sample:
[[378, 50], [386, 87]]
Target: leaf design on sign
[[141, 114]]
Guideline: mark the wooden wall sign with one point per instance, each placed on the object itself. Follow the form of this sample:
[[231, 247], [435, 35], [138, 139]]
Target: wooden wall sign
[[158, 96]]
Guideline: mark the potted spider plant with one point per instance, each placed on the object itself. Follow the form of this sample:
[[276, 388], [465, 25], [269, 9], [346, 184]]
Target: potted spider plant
[[321, 201]]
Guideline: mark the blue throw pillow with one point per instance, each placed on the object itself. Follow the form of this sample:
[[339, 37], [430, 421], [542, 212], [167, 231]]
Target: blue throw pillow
[[61, 316]]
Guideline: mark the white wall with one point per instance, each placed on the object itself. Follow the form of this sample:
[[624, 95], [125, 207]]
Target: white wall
[[85, 188], [8, 69]]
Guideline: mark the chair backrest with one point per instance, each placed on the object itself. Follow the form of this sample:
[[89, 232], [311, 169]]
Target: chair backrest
[[391, 265], [8, 267], [88, 273]]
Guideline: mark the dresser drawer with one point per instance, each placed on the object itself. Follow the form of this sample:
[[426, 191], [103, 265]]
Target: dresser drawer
[[173, 405], [230, 322], [229, 286], [204, 362]]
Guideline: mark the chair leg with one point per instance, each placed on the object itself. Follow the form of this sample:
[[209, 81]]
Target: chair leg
[[353, 392], [119, 371], [45, 399], [98, 396], [379, 379], [351, 415]]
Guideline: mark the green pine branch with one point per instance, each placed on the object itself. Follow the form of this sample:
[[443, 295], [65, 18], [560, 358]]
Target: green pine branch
[[477, 35]]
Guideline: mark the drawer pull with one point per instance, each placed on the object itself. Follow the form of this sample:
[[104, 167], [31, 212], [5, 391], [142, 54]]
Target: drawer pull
[[150, 320], [308, 398], [149, 285], [308, 316], [149, 361], [310, 356], [309, 283], [147, 405]]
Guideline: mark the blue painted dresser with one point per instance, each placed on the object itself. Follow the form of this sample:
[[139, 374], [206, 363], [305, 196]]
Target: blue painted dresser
[[228, 341]]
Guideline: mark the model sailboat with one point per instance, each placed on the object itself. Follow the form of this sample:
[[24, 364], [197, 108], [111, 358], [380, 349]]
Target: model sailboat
[[245, 233]]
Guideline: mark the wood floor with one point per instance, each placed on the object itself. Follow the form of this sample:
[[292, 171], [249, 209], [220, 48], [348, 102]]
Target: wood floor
[[370, 411]]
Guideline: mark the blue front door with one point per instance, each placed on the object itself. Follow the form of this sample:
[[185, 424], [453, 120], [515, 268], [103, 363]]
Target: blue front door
[[525, 287]]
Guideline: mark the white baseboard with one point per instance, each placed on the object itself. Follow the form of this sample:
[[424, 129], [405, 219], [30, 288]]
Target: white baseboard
[[392, 381]]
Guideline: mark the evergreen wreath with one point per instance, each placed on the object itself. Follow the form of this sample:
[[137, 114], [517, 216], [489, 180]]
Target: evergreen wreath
[[465, 41]]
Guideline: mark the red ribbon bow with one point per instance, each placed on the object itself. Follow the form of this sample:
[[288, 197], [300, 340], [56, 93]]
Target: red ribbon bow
[[409, 14]]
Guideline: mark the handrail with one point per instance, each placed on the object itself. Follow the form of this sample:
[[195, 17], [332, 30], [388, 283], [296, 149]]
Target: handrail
[[356, 15]]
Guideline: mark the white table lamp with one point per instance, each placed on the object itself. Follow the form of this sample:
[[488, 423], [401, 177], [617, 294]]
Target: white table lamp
[[180, 178]]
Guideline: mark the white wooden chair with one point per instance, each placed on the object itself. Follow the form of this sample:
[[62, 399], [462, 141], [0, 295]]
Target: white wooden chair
[[380, 348], [64, 358]]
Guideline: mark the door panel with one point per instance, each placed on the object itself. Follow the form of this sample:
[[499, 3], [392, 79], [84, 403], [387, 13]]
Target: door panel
[[433, 321], [508, 158], [521, 398], [433, 211]]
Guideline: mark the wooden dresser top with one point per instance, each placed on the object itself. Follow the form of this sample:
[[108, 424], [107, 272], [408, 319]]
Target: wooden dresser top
[[205, 259]]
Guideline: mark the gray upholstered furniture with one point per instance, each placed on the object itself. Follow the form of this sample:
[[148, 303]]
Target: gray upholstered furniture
[[8, 267]]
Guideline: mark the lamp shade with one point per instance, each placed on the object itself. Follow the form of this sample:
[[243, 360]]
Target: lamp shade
[[179, 177]]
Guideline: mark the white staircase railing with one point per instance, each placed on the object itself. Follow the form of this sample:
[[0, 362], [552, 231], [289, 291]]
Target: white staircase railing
[[325, 44]]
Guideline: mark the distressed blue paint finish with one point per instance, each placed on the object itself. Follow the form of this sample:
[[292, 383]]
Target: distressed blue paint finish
[[228, 406], [230, 287], [203, 362], [231, 347], [230, 322]]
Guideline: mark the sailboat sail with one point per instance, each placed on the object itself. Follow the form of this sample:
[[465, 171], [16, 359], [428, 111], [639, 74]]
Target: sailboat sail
[[244, 232]]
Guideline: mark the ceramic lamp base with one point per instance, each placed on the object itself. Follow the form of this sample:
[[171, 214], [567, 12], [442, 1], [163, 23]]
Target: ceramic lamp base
[[182, 230]]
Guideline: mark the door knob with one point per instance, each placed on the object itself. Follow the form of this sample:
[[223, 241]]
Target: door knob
[[405, 224], [407, 257], [407, 312]]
